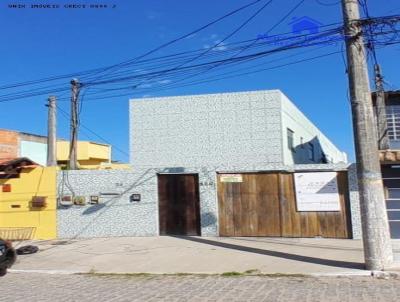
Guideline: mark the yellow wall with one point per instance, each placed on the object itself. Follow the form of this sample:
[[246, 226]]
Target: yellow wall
[[115, 166], [86, 151], [62, 151], [40, 223]]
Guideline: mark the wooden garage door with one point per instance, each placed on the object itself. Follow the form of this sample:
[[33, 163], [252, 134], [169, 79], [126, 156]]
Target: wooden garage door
[[250, 207], [264, 204], [179, 210]]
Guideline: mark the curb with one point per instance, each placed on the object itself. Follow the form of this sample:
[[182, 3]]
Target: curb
[[373, 274], [49, 272]]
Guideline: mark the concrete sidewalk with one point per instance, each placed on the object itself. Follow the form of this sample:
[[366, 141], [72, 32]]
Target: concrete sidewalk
[[208, 255]]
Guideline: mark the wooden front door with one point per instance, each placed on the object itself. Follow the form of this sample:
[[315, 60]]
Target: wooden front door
[[179, 206]]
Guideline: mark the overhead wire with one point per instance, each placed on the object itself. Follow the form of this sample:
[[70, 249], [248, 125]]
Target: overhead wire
[[157, 73], [67, 116], [107, 69], [298, 44], [301, 2], [231, 34], [218, 79]]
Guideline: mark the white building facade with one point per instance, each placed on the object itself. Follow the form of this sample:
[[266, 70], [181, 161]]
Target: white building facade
[[214, 165]]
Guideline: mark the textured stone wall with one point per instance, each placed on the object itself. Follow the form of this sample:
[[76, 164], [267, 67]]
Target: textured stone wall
[[206, 130], [203, 134], [354, 202], [114, 215], [117, 216]]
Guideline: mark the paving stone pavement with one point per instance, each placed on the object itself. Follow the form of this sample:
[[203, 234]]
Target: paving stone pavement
[[45, 287]]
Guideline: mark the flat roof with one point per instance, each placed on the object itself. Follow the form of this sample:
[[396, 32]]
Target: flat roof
[[45, 137], [268, 91]]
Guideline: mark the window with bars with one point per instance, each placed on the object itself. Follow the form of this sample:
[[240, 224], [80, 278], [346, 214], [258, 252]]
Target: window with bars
[[392, 192], [393, 122]]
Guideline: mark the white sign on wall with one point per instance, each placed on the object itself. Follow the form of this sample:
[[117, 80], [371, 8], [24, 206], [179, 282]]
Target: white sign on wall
[[317, 191], [231, 178]]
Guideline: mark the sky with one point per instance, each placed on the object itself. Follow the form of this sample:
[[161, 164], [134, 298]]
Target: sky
[[43, 42]]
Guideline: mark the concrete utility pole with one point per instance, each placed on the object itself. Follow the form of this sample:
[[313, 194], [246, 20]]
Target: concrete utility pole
[[375, 227], [73, 157], [51, 133], [383, 139]]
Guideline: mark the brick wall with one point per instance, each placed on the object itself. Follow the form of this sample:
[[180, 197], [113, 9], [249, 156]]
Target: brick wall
[[8, 144]]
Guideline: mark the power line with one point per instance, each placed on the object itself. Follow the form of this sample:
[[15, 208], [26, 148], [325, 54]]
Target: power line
[[67, 117], [235, 31], [181, 37], [251, 44], [130, 93], [222, 78], [36, 92], [219, 43], [103, 69], [203, 66], [237, 59], [276, 38]]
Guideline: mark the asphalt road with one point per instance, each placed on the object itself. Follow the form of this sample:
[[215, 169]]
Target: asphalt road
[[45, 287]]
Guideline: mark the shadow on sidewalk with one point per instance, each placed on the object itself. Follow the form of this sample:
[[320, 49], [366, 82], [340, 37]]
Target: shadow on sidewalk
[[308, 259]]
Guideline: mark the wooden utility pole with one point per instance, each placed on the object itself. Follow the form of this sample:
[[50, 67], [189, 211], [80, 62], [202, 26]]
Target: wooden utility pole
[[51, 133], [380, 109], [73, 158], [375, 227]]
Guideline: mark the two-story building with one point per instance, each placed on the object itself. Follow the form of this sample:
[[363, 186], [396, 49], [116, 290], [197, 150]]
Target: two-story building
[[225, 165], [91, 155], [390, 157], [228, 164]]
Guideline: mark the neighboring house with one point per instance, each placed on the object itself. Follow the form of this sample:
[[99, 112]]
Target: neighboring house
[[390, 160], [15, 144], [91, 155], [27, 200]]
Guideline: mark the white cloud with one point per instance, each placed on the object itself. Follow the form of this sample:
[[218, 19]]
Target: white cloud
[[191, 36], [164, 81], [221, 47], [152, 15]]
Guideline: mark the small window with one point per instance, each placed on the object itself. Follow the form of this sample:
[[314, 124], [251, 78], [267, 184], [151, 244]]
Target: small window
[[311, 151], [290, 139], [302, 142], [393, 193]]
